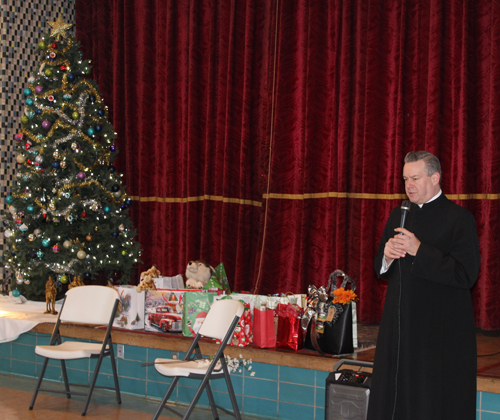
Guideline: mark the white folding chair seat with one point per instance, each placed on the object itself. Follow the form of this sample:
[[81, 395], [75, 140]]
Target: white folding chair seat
[[69, 350], [219, 324], [91, 305]]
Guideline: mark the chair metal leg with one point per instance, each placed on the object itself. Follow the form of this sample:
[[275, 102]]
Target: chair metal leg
[[166, 397], [212, 401], [39, 382], [65, 378], [115, 375], [196, 397], [230, 390], [92, 384]]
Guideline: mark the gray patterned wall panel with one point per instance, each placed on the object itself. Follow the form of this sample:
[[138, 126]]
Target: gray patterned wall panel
[[22, 24]]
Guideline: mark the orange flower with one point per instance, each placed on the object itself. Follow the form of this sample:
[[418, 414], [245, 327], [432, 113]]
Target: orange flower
[[343, 296]]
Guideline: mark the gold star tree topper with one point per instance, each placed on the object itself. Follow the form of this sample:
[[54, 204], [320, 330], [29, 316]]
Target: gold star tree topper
[[59, 28]]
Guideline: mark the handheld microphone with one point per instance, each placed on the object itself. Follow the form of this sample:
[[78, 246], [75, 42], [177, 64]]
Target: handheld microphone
[[405, 209]]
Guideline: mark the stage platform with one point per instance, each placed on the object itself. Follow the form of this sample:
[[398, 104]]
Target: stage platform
[[488, 342]]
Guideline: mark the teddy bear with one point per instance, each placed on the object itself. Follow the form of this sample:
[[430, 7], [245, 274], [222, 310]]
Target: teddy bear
[[147, 279], [147, 283], [198, 273]]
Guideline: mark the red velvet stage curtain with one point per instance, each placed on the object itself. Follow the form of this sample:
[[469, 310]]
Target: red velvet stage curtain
[[187, 85], [270, 135]]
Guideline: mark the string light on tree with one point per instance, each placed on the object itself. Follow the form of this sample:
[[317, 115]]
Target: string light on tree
[[68, 203]]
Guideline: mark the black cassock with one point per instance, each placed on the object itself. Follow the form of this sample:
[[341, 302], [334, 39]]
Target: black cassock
[[426, 357]]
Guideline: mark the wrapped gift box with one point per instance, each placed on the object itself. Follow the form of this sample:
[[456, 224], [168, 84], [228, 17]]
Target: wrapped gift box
[[163, 310], [175, 282], [130, 313]]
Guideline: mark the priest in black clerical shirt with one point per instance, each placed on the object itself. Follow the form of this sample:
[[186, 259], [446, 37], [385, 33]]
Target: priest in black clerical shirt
[[426, 356]]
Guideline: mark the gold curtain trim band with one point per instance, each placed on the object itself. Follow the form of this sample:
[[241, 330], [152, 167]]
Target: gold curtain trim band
[[309, 196], [205, 197], [373, 196]]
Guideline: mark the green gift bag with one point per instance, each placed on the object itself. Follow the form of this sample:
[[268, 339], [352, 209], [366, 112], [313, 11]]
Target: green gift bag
[[196, 307], [218, 280]]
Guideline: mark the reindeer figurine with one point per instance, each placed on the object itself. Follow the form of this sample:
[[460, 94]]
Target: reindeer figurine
[[50, 296]]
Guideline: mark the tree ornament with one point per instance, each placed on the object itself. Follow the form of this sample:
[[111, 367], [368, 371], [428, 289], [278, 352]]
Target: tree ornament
[[39, 159], [38, 111], [39, 89], [112, 147], [56, 164], [106, 209], [94, 207], [81, 254], [128, 202], [12, 210], [28, 145], [69, 218], [53, 45], [115, 187], [42, 45], [48, 72], [27, 92], [45, 242], [81, 176], [90, 131], [117, 194], [121, 228], [63, 68], [9, 199], [74, 146], [16, 292], [24, 120], [98, 128], [20, 158], [88, 238], [56, 154], [19, 137], [124, 252], [63, 164], [59, 28], [31, 237], [75, 115], [30, 209], [7, 233], [56, 249], [83, 215], [39, 253], [111, 168], [67, 97], [71, 77], [46, 124], [27, 282], [67, 244], [29, 102], [63, 278]]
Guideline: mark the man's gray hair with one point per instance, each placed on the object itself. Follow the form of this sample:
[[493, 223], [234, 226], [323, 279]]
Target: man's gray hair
[[432, 164]]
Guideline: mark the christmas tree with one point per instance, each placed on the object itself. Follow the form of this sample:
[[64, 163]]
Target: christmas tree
[[68, 205]]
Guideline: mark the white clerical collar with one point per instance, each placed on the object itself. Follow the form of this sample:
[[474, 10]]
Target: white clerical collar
[[432, 199]]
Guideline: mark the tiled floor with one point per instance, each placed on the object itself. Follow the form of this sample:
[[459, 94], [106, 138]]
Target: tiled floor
[[16, 393]]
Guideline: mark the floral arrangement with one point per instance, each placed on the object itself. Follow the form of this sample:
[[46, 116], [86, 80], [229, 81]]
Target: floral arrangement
[[344, 297]]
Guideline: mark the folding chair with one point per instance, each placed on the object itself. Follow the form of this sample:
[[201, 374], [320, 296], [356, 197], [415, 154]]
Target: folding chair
[[220, 323], [94, 305]]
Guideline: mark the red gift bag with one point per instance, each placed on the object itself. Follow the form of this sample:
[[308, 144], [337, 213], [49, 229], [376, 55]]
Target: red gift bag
[[289, 330], [264, 335]]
